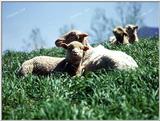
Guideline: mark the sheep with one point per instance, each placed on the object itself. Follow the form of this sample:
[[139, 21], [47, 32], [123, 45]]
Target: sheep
[[132, 33], [45, 65], [73, 35], [100, 57], [74, 57], [41, 65], [120, 36]]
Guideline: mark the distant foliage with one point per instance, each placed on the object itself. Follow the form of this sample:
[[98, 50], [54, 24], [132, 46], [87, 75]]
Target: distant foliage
[[129, 13], [101, 26], [64, 29], [35, 40]]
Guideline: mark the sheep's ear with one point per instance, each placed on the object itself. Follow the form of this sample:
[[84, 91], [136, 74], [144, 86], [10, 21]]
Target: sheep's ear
[[82, 35], [59, 41], [136, 27], [85, 48], [128, 27], [64, 45]]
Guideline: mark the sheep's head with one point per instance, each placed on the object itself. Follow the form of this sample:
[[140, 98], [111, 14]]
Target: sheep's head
[[119, 33], [75, 50], [131, 29], [71, 36]]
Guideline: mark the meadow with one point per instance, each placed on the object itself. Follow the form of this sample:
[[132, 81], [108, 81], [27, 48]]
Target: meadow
[[97, 95]]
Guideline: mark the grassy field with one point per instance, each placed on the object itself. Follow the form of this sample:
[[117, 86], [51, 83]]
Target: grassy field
[[95, 95]]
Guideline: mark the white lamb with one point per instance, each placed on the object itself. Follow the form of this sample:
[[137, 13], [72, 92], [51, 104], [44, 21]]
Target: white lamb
[[100, 57], [46, 65]]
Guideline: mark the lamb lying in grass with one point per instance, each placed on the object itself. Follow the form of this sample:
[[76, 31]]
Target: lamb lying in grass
[[41, 65], [100, 57], [46, 65], [73, 35], [132, 33], [120, 36]]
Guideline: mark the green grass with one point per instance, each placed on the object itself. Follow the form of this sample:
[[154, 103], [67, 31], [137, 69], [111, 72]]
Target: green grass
[[95, 95]]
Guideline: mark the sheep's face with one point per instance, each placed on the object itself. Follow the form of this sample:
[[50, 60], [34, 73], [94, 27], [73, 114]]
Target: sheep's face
[[73, 35], [119, 33], [131, 29], [75, 50]]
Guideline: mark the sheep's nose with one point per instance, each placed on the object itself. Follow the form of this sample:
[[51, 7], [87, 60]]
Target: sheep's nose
[[75, 53]]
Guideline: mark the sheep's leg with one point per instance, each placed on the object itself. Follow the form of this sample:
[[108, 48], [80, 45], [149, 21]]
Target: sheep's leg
[[80, 71]]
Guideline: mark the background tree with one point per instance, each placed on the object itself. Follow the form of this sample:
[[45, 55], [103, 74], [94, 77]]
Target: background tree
[[98, 25], [26, 45], [129, 13], [101, 26], [66, 28], [35, 40], [121, 9], [133, 16]]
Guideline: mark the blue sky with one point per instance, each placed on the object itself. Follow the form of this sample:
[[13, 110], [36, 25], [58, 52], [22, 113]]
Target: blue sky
[[19, 18]]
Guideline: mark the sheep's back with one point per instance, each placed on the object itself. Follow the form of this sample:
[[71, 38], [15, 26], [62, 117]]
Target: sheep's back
[[100, 57], [46, 64]]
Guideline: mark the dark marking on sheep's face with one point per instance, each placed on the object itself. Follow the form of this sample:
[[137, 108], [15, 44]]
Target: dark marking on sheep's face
[[132, 32], [119, 33], [131, 29]]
